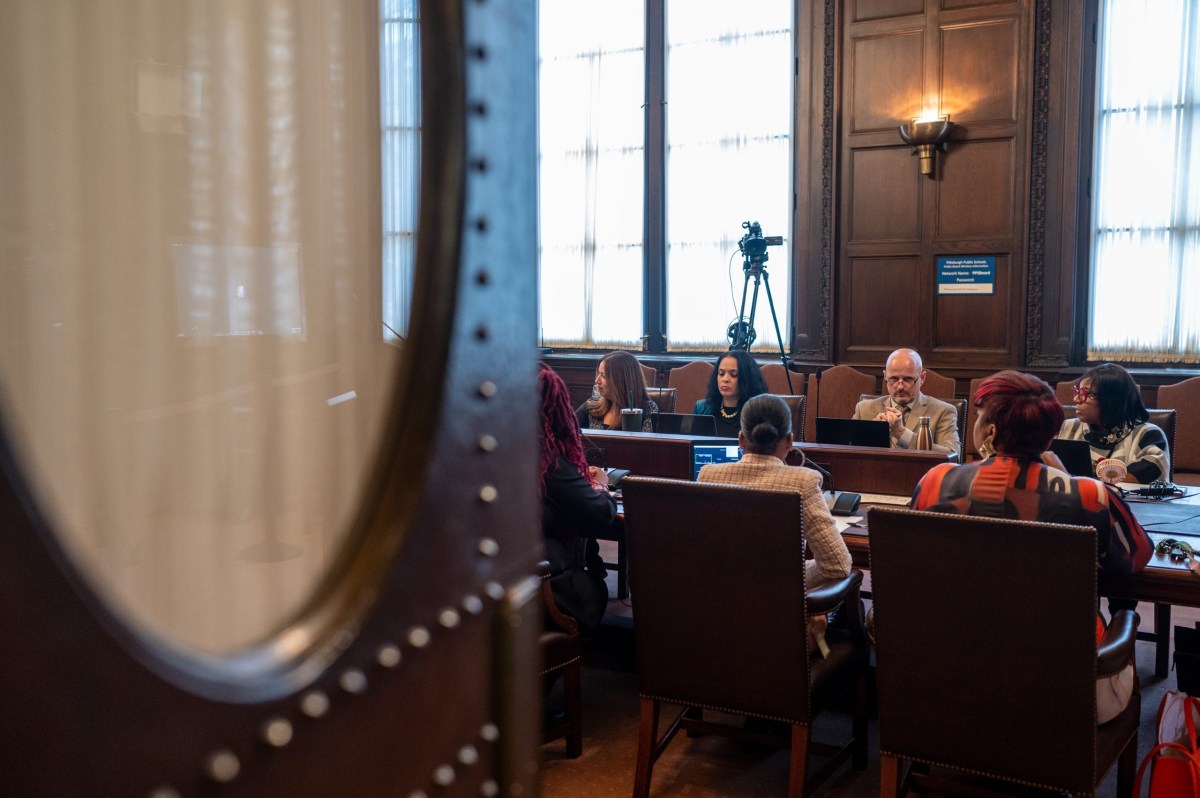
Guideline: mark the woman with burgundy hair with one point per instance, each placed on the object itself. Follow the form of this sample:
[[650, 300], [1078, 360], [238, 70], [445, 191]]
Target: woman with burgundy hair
[[576, 505], [1018, 417]]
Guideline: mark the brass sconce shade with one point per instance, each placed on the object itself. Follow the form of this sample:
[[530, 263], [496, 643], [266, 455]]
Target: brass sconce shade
[[928, 137]]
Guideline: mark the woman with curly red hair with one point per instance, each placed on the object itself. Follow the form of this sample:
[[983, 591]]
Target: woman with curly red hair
[[576, 505]]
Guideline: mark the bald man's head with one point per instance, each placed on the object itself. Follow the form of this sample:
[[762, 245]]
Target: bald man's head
[[903, 375]]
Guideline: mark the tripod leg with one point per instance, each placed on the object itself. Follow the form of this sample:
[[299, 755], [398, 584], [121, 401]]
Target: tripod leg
[[740, 332], [779, 338]]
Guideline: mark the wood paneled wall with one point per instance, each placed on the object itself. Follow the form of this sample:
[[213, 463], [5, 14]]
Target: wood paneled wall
[[1015, 78], [970, 61]]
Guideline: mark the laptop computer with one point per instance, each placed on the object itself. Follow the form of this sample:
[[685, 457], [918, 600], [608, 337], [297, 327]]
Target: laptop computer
[[686, 424], [853, 432], [1075, 455], [703, 454]]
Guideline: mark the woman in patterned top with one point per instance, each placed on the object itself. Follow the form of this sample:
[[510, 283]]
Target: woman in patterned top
[[1113, 420], [619, 383], [1018, 416]]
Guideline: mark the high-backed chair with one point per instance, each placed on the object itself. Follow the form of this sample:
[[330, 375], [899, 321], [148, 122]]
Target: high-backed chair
[[971, 451], [798, 406], [776, 377], [561, 653], [973, 674], [1184, 398], [650, 375], [664, 398], [833, 392], [939, 387], [691, 383], [722, 621]]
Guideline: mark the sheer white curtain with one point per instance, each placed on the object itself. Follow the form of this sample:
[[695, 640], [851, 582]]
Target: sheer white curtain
[[592, 151], [400, 116], [729, 121], [729, 89], [1146, 253]]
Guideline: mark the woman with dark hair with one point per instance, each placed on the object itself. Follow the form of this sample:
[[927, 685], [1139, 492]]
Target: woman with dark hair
[[1113, 421], [1018, 416], [619, 383], [576, 505], [766, 438], [735, 379]]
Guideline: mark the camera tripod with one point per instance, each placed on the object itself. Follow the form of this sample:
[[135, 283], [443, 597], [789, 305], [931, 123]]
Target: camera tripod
[[741, 332]]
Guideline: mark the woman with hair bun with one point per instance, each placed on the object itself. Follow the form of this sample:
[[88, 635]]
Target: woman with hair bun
[[766, 438]]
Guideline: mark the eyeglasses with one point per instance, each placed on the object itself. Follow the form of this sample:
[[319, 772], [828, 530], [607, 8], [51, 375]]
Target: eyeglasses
[[1083, 393], [898, 380], [1176, 550]]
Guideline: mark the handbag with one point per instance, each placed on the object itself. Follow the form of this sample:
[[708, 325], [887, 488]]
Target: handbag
[[1174, 763]]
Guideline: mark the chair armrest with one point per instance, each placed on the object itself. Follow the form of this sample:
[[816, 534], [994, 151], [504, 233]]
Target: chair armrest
[[1115, 650], [561, 620], [831, 594]]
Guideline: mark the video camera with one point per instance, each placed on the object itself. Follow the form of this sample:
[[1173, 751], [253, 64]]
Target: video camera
[[754, 245]]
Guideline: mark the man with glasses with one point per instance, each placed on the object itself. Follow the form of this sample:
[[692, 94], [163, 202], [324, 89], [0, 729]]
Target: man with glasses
[[904, 405]]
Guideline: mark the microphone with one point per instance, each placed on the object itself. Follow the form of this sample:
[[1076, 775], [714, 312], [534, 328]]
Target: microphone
[[839, 502]]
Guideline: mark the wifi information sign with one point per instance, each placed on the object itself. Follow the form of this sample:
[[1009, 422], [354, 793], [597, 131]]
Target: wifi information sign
[[966, 274]]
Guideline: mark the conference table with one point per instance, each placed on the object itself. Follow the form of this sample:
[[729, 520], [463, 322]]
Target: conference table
[[887, 476]]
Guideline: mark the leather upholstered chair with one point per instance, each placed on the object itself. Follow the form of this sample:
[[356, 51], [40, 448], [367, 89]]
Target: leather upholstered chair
[[722, 622], [939, 387], [664, 398], [690, 382], [776, 377], [560, 651], [798, 406], [649, 375], [970, 451], [833, 392], [1184, 398], [975, 678]]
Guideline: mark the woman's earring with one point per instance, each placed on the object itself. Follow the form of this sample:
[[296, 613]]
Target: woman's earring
[[986, 449]]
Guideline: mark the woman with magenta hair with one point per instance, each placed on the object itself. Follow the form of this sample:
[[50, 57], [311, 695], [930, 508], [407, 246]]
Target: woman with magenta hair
[[576, 506], [1018, 417], [1113, 421]]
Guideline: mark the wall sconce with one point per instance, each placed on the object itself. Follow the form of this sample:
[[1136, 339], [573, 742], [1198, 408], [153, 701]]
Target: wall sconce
[[928, 136]]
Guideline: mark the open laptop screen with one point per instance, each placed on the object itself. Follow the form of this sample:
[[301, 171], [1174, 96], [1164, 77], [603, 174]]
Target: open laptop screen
[[852, 432], [686, 424], [703, 454], [1075, 455]]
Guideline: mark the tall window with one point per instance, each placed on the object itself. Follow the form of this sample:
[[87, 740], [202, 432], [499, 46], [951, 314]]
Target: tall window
[[713, 94], [400, 116], [1146, 249]]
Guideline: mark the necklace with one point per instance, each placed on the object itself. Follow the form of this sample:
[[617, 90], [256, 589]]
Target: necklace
[[728, 416]]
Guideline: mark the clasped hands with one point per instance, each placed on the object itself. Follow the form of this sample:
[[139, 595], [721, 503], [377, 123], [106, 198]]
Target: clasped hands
[[895, 419]]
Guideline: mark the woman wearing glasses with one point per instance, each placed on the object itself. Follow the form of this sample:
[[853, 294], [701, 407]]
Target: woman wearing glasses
[[1113, 421], [1018, 417], [619, 383]]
